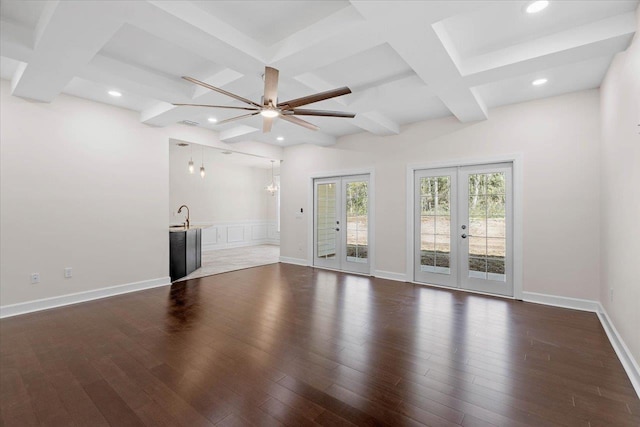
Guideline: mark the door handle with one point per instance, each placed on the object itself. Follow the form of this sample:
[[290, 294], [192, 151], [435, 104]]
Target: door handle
[[337, 229], [464, 236]]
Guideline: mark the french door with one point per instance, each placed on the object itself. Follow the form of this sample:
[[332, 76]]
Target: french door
[[341, 223], [463, 227]]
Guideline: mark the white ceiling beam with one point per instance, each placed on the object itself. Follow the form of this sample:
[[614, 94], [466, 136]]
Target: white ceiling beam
[[63, 44], [408, 28], [192, 33]]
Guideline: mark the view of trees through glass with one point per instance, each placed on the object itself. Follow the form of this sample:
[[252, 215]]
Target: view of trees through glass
[[487, 224], [357, 220]]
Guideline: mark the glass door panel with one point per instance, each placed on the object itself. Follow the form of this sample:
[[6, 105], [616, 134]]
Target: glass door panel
[[341, 223], [326, 221], [355, 195], [485, 220], [357, 221], [435, 190]]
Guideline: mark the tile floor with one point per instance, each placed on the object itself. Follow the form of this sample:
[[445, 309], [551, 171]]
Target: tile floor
[[223, 260]]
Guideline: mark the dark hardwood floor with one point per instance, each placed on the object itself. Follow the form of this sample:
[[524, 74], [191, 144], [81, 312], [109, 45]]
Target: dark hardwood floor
[[288, 345]]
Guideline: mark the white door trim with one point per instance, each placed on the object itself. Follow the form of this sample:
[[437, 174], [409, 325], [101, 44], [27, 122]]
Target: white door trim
[[372, 210], [517, 160]]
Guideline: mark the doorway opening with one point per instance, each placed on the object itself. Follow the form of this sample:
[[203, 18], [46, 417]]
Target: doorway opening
[[233, 198]]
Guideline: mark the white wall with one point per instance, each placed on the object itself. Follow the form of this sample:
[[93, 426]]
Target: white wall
[[228, 192], [620, 207], [559, 139], [84, 185]]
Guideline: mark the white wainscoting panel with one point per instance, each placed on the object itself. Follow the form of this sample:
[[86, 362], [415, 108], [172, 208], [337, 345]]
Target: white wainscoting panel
[[224, 235], [259, 232], [235, 233], [209, 236]]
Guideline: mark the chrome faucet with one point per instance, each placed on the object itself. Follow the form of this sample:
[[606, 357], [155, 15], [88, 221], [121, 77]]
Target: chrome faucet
[[180, 210]]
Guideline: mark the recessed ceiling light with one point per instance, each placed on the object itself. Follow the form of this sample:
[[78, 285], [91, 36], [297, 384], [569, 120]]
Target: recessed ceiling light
[[280, 138], [114, 93], [212, 119], [537, 6], [538, 82]]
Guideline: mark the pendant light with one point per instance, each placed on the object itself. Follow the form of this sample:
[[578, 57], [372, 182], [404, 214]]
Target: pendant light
[[272, 188], [202, 165], [191, 167]]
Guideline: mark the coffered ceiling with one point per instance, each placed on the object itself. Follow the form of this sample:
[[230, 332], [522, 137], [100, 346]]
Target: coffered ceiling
[[404, 61]]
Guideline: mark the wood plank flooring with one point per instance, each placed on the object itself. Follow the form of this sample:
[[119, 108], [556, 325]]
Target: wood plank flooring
[[288, 345]]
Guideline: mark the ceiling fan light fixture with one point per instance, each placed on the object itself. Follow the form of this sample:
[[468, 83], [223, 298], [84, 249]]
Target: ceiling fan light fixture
[[270, 108], [537, 6]]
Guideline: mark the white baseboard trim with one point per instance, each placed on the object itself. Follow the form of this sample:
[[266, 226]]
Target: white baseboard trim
[[624, 354], [75, 298], [564, 302], [622, 351], [390, 275], [295, 261]]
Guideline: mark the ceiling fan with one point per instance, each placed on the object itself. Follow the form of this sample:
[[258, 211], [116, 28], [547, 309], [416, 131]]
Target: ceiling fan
[[271, 109]]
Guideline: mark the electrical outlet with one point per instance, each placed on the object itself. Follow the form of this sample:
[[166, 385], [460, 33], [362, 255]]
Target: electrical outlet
[[35, 278], [611, 294], [67, 272]]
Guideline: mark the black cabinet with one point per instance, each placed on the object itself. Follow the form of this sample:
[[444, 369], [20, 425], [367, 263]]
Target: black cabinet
[[185, 248]]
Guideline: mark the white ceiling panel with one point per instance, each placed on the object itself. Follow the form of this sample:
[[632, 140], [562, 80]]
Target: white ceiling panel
[[568, 78], [505, 23], [135, 46], [269, 22], [99, 92], [405, 61], [24, 12], [376, 65]]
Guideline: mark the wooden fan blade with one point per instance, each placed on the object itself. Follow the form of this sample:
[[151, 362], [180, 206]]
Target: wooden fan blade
[[270, 86], [323, 113], [267, 123], [299, 102], [217, 106], [222, 91], [233, 119], [299, 122]]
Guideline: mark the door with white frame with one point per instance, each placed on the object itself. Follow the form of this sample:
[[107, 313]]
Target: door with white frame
[[463, 227], [341, 232]]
